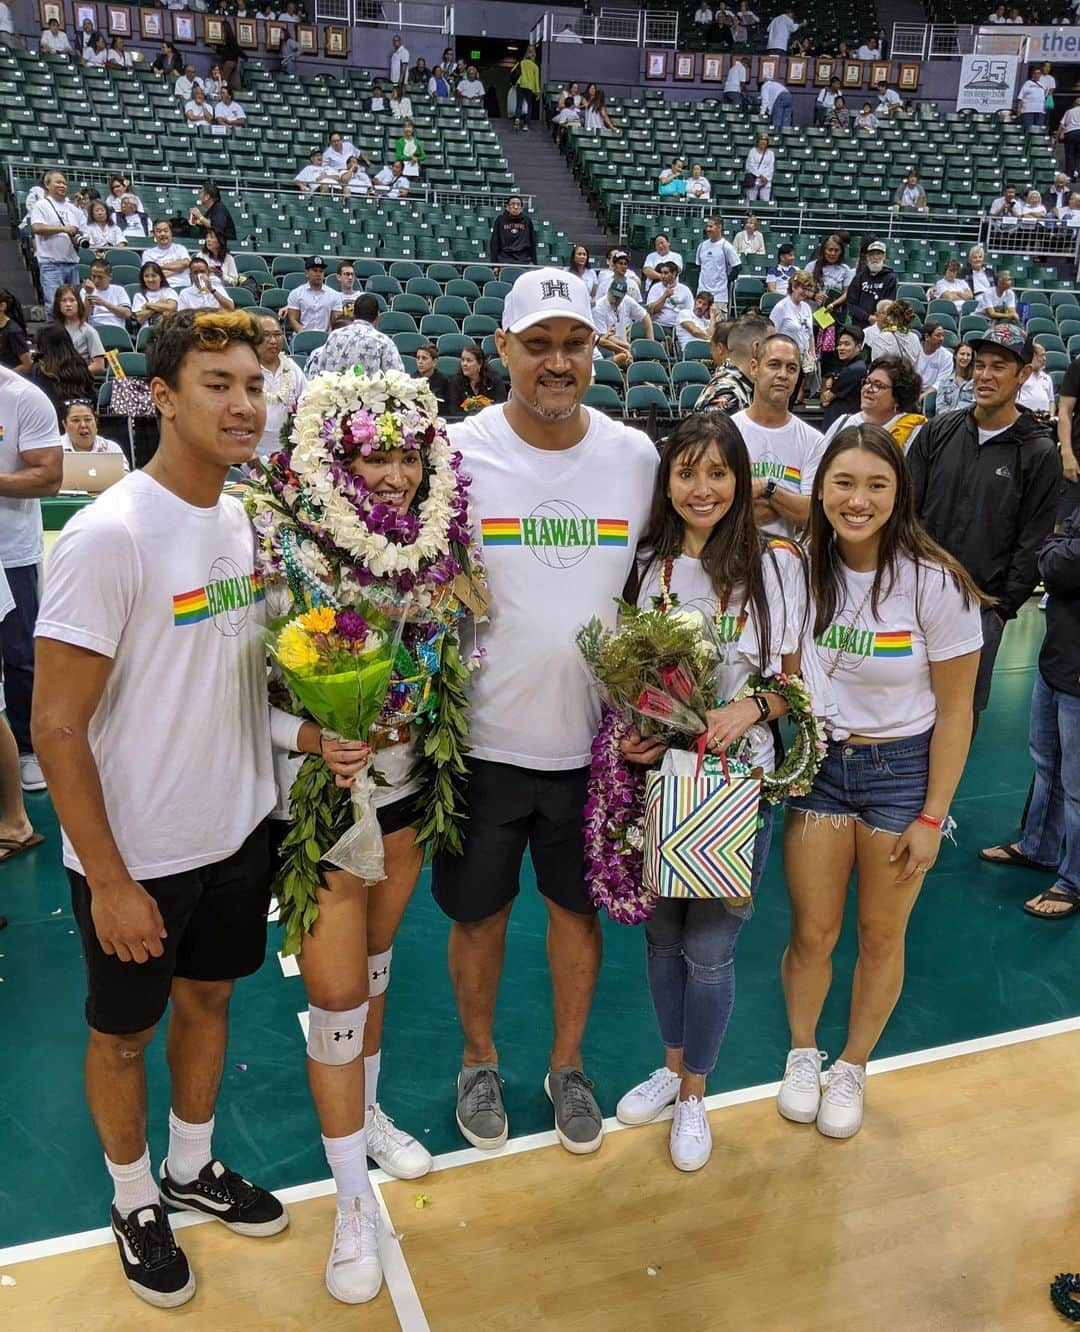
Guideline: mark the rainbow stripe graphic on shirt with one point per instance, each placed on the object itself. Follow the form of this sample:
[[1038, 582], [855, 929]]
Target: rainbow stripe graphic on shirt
[[781, 543], [555, 525], [772, 470], [501, 531], [895, 643], [226, 594], [793, 474]]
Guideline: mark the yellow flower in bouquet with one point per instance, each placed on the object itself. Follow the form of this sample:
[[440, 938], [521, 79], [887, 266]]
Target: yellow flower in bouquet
[[295, 650], [322, 620]]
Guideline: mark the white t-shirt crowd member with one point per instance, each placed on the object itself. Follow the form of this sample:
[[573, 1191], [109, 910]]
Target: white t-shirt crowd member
[[715, 258], [788, 455], [115, 295], [315, 306], [608, 318], [169, 254], [880, 664], [187, 614], [281, 387], [558, 531], [678, 306]]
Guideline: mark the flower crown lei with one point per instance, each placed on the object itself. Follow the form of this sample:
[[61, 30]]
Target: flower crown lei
[[321, 531]]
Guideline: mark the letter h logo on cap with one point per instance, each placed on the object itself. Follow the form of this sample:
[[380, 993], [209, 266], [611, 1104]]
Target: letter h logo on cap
[[553, 289]]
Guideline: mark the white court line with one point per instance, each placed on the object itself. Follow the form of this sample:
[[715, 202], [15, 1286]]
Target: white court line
[[88, 1239]]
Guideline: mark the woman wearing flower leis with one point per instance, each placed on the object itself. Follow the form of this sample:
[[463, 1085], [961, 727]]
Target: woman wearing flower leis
[[365, 508], [702, 553]]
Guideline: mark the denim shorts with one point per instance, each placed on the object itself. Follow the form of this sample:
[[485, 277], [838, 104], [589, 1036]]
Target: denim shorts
[[883, 785]]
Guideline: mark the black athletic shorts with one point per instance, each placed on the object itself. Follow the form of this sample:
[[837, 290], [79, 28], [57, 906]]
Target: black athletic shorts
[[216, 922], [392, 818], [509, 809]]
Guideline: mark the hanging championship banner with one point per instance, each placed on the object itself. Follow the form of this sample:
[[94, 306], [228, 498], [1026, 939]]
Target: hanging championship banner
[[987, 83]]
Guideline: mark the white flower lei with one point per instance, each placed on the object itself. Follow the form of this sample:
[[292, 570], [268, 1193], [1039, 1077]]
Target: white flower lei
[[332, 397]]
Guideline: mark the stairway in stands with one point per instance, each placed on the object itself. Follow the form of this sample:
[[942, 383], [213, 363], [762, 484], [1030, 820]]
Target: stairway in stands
[[541, 170], [13, 274]]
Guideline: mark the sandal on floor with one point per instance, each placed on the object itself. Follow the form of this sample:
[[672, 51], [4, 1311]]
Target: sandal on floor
[[10, 848], [1055, 894], [1014, 858]]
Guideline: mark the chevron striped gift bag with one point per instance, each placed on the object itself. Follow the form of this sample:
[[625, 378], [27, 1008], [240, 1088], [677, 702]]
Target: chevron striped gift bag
[[701, 824]]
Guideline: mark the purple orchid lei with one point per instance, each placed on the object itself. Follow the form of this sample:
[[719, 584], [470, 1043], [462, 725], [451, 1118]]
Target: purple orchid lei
[[614, 811]]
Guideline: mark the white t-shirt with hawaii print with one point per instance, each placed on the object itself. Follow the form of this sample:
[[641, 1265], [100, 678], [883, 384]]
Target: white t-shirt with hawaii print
[[558, 530], [785, 589], [880, 664], [168, 593], [788, 455]]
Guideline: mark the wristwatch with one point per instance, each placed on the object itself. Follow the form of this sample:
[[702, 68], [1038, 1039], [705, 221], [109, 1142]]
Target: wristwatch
[[770, 489], [762, 705]]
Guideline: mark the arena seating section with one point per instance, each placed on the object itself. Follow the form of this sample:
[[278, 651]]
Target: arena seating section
[[825, 22], [422, 263]]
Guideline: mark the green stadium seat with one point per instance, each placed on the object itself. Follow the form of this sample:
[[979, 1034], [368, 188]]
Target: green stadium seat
[[643, 398], [308, 341], [607, 372], [605, 397]]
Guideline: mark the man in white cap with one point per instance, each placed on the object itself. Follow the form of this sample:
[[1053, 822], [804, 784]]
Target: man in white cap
[[560, 495]]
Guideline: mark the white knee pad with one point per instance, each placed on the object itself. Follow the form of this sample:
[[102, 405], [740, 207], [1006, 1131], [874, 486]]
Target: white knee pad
[[379, 972], [336, 1038]]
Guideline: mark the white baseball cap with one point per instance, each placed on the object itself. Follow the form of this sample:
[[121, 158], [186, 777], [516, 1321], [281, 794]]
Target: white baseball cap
[[546, 293]]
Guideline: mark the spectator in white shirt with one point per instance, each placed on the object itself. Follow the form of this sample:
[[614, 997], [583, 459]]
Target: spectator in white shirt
[[1031, 100], [669, 301], [567, 34], [118, 57], [889, 100], [776, 103], [889, 332], [355, 180], [614, 316], [206, 291], [173, 258], [314, 178], [703, 15], [186, 83], [866, 120], [470, 89], [1000, 301], [868, 51], [951, 287], [1033, 209], [618, 266], [399, 62], [935, 359], [107, 303], [80, 435], [101, 230], [391, 181], [749, 240], [826, 99], [911, 194], [697, 187], [781, 29], [198, 112], [760, 165], [228, 114], [661, 250], [54, 222], [1046, 78], [54, 41], [735, 82], [998, 16], [1006, 207], [283, 382], [718, 263], [1037, 392], [131, 221], [337, 153], [96, 55], [310, 308]]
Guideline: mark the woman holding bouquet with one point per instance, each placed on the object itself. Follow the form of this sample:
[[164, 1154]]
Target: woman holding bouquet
[[362, 526], [897, 633], [703, 553]]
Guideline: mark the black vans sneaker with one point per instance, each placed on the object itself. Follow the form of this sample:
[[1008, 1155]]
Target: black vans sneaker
[[154, 1264], [227, 1197]]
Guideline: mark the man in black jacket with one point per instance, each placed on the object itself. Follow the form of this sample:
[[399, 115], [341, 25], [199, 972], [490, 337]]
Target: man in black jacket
[[986, 483], [873, 282], [212, 215], [513, 240]]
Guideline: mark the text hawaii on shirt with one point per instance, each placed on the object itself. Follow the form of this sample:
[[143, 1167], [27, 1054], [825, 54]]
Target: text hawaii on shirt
[[558, 531]]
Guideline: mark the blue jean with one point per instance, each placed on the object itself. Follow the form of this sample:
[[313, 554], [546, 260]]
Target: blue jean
[[55, 275], [17, 652], [690, 961], [883, 786], [1052, 828], [1029, 118], [783, 111], [525, 105]]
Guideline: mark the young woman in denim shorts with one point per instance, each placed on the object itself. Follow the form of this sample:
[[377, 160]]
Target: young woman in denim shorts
[[897, 635]]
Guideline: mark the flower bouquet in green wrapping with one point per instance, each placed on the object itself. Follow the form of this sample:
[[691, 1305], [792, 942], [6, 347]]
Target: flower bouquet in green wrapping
[[337, 665]]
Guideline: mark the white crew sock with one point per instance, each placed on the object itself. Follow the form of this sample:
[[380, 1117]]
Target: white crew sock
[[371, 1078], [189, 1148], [347, 1158], [134, 1185]]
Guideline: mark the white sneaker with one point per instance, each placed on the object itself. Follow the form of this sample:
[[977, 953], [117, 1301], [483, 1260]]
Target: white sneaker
[[690, 1143], [840, 1115], [30, 774], [354, 1269], [643, 1103], [392, 1149], [800, 1091]]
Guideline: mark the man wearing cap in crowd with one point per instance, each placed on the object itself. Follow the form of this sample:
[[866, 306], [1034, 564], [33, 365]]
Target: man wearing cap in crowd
[[358, 343], [614, 316], [559, 498], [309, 307], [873, 282], [618, 267], [986, 481]]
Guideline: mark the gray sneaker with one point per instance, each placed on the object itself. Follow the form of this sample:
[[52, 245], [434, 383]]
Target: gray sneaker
[[481, 1115], [578, 1121]]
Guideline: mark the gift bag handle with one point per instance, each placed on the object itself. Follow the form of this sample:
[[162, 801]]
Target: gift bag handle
[[702, 742]]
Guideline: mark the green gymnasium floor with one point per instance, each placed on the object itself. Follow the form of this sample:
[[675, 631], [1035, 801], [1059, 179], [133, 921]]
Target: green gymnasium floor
[[976, 966]]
